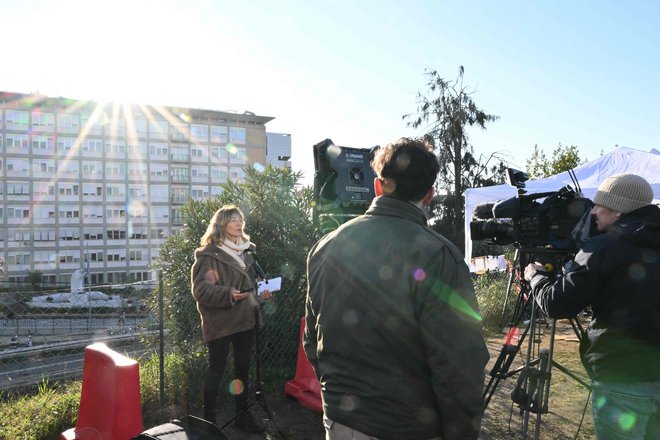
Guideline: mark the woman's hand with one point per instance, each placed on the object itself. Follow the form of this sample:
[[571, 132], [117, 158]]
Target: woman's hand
[[266, 294], [237, 295]]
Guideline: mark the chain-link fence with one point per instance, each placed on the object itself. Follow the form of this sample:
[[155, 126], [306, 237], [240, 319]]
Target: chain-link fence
[[43, 334]]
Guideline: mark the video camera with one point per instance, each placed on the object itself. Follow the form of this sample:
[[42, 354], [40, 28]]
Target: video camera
[[343, 183], [562, 220]]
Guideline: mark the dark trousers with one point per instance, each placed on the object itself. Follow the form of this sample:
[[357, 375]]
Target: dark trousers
[[218, 350]]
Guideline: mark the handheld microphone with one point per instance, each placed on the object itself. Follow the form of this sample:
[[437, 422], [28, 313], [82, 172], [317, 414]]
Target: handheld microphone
[[255, 264]]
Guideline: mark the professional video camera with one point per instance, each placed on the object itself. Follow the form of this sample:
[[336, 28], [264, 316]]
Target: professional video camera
[[562, 220]]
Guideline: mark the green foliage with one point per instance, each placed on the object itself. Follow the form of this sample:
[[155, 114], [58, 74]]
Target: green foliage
[[446, 118], [46, 414], [491, 293], [563, 159]]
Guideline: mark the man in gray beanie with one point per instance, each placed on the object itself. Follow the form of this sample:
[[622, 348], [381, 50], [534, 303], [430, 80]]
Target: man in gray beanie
[[618, 274]]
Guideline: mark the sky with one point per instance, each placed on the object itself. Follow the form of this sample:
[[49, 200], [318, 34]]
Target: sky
[[576, 73]]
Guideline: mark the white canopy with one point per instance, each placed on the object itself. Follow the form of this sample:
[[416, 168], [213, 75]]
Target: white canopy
[[589, 175]]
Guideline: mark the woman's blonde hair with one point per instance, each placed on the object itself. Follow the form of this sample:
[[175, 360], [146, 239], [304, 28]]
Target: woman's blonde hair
[[214, 231]]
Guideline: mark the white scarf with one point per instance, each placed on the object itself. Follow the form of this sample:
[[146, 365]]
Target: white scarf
[[236, 250]]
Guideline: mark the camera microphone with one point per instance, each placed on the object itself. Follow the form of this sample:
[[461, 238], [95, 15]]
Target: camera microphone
[[255, 264]]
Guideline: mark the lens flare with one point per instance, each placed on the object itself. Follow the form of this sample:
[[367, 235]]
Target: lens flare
[[636, 272], [236, 387], [419, 275], [627, 421]]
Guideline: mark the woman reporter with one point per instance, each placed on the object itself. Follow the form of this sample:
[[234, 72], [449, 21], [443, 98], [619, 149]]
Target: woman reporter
[[223, 282]]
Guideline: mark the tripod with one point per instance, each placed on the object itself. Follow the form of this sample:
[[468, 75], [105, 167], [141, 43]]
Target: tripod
[[532, 388]]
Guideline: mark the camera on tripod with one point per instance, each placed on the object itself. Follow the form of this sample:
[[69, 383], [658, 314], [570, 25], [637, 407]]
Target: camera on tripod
[[343, 184], [562, 219]]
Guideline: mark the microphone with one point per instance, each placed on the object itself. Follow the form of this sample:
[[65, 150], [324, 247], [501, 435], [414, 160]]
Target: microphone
[[255, 264]]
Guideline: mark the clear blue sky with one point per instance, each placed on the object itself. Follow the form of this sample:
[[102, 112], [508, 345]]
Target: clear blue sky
[[580, 73]]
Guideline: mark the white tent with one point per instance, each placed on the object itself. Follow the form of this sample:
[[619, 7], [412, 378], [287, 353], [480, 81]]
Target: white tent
[[589, 175]]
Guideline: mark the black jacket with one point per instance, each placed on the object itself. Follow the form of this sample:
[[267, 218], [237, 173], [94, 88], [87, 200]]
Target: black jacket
[[393, 328], [618, 274]]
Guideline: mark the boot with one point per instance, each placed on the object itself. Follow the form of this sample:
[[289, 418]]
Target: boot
[[245, 421]]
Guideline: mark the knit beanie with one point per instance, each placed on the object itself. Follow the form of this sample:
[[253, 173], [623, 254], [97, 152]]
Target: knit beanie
[[624, 193]]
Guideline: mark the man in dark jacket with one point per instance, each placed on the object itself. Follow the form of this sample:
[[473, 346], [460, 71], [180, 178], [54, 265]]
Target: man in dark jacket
[[618, 274], [392, 323]]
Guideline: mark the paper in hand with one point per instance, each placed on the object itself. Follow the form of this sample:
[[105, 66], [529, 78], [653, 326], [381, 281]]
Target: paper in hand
[[274, 284]]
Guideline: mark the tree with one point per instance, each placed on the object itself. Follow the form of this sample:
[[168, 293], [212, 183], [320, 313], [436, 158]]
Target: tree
[[446, 118], [564, 159], [35, 278]]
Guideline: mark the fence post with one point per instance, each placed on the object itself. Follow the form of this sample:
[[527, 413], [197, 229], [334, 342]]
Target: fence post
[[161, 354]]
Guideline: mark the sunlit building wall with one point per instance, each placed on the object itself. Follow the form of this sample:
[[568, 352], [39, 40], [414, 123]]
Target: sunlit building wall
[[279, 149], [101, 185]]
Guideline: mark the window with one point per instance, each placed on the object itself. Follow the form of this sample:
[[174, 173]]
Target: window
[[114, 191], [138, 234], [96, 256], [158, 129], [115, 148], [65, 145], [92, 190], [42, 144], [18, 188], [68, 189], [199, 133], [93, 233], [158, 150], [199, 152], [17, 142], [219, 174], [69, 256], [114, 170], [69, 169], [92, 170], [116, 127], [92, 126], [116, 234], [69, 234], [199, 171], [219, 154], [198, 194], [136, 149], [180, 174], [17, 120], [68, 212], [238, 155], [237, 135], [135, 255], [180, 154], [41, 189], [93, 213], [218, 134], [43, 167], [43, 121], [94, 146], [141, 127], [115, 213], [44, 235], [18, 167], [68, 123]]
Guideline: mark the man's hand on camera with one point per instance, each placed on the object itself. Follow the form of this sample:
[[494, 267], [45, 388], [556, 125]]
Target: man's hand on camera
[[531, 270]]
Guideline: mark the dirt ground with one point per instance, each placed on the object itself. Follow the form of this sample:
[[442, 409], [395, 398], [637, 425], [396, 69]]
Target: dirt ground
[[502, 419]]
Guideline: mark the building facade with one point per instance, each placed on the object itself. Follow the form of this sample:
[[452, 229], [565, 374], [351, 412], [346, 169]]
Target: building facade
[[278, 149], [100, 185]]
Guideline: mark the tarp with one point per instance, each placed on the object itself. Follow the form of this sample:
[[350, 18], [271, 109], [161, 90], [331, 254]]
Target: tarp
[[589, 175]]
